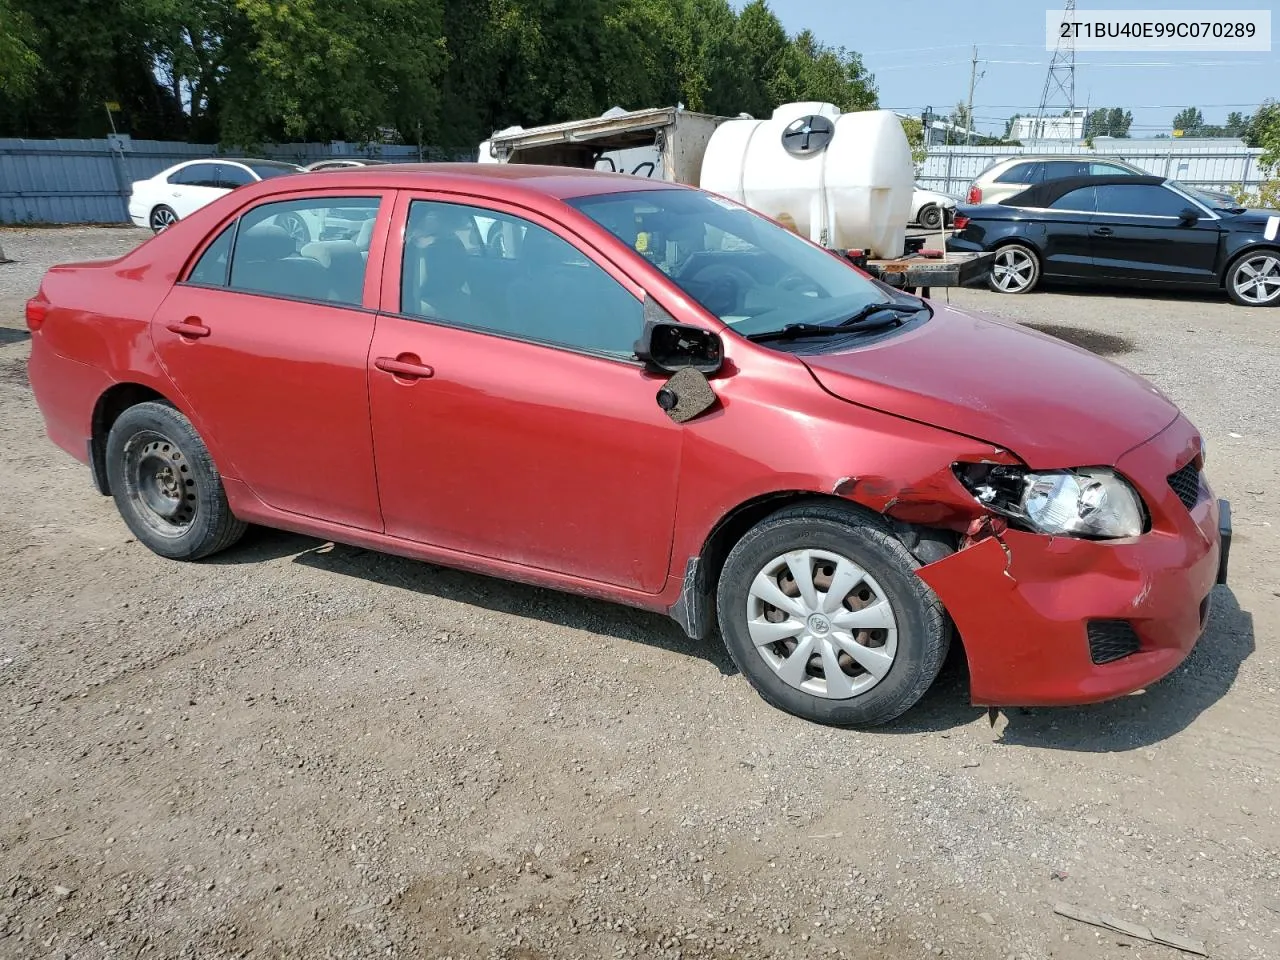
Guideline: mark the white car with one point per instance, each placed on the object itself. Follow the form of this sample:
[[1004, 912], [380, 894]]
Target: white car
[[339, 163], [928, 207], [183, 189]]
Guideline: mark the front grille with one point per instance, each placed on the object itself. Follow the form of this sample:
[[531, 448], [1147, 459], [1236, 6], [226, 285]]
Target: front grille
[[1111, 640], [1186, 484]]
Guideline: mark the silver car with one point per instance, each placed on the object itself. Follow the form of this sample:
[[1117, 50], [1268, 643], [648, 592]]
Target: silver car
[[1010, 176]]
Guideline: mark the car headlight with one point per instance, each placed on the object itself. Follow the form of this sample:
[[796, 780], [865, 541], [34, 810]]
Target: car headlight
[[1091, 502]]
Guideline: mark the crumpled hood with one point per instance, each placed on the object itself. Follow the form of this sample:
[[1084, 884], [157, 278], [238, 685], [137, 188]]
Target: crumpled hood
[[1052, 404]]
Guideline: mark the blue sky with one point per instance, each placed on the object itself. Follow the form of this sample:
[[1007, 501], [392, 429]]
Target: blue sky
[[891, 38]]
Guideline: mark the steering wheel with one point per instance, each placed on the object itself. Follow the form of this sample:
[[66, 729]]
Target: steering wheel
[[802, 283], [726, 286]]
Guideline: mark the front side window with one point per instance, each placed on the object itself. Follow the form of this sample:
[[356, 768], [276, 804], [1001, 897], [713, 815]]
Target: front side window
[[275, 253], [196, 175], [1140, 199], [1060, 169], [752, 273], [486, 270], [265, 169], [231, 175], [1019, 173]]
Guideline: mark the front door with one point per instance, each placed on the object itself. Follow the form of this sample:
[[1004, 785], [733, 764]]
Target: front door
[[1138, 234], [269, 346], [511, 419]]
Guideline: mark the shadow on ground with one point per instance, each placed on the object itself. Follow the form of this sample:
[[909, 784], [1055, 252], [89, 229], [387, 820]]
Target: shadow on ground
[[500, 596], [1095, 341], [1129, 723], [10, 335]]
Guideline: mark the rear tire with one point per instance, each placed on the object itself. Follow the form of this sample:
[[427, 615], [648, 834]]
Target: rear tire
[[1253, 279], [1016, 269], [162, 218], [931, 217], [166, 486], [842, 583]]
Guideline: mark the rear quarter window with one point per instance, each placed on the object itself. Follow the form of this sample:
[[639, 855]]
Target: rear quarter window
[[1019, 173]]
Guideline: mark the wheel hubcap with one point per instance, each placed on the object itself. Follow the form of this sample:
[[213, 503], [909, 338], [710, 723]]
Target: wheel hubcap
[[159, 482], [162, 220], [822, 623], [1012, 270], [1257, 280]]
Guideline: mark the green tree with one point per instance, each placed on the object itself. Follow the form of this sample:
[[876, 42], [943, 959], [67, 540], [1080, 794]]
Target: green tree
[[19, 62], [1190, 121], [1104, 122], [763, 51]]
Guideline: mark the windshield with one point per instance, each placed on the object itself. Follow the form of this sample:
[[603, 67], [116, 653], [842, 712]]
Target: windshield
[[1212, 202], [750, 272]]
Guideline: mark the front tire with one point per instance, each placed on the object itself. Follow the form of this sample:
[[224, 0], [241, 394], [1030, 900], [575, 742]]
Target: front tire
[[1253, 279], [931, 217], [162, 218], [823, 613], [1016, 269], [166, 486]]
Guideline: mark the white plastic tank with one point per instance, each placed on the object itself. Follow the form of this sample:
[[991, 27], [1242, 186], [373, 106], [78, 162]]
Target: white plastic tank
[[485, 154], [844, 179]]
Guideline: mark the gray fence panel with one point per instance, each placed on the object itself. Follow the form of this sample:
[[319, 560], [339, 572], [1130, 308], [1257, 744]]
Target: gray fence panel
[[88, 181], [1214, 165]]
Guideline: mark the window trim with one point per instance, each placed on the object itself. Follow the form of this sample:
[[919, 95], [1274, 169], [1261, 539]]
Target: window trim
[[393, 264], [371, 292]]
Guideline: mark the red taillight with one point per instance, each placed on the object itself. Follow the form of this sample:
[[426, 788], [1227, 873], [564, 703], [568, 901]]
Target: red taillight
[[960, 222], [37, 310], [975, 194]]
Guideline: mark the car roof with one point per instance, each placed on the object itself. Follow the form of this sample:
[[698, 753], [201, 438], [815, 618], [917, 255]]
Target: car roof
[[1045, 193], [552, 181]]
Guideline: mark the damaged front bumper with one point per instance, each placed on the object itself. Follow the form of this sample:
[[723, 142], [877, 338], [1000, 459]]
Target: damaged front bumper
[[1057, 620]]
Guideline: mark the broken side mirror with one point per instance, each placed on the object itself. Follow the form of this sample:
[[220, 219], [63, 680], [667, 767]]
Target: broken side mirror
[[669, 347]]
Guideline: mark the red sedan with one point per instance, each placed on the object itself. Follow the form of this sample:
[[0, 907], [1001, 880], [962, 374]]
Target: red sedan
[[645, 393]]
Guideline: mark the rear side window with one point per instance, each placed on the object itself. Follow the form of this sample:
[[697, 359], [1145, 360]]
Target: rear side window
[[1140, 199], [303, 249], [211, 269], [196, 175], [1020, 173], [1083, 200]]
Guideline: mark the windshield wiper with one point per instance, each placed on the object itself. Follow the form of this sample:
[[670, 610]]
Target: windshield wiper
[[794, 331]]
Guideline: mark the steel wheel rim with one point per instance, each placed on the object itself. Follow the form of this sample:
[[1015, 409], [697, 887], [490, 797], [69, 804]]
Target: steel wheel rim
[[1012, 270], [1257, 280], [162, 220], [160, 485], [930, 219], [822, 624]]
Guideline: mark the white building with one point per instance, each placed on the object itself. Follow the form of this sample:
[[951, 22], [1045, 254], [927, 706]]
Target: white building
[[1070, 127]]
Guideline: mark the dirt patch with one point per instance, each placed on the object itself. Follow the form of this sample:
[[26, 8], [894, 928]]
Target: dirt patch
[[14, 370], [1095, 341]]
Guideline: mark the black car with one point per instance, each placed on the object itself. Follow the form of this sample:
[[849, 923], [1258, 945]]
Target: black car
[[1136, 231]]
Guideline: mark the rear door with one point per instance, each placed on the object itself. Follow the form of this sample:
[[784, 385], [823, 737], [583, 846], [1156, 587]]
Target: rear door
[[1062, 233], [270, 349], [192, 187], [511, 418], [1138, 234]]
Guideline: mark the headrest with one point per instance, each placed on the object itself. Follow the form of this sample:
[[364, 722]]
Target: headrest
[[328, 252], [265, 241], [365, 236]]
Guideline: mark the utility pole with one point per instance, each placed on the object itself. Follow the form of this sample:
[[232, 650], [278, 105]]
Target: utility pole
[[1060, 81], [973, 82]]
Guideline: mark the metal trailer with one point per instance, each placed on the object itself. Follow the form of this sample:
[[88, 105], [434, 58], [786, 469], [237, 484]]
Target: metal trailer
[[669, 144]]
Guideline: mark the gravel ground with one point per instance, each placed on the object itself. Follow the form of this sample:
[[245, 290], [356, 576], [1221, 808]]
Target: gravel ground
[[306, 750]]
